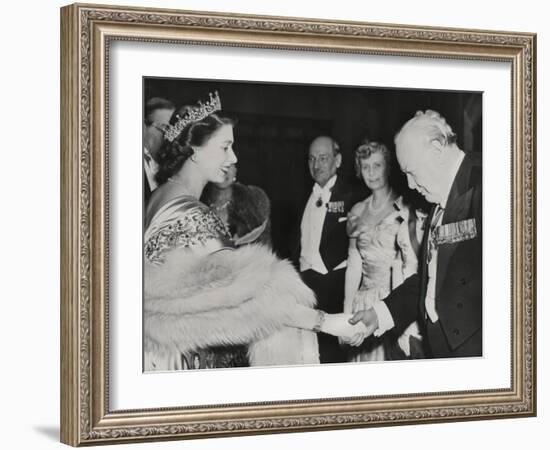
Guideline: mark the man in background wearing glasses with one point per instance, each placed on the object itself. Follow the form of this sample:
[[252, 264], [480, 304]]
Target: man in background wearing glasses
[[321, 244], [158, 112]]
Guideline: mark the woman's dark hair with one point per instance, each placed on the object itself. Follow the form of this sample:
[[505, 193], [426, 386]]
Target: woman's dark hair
[[172, 155]]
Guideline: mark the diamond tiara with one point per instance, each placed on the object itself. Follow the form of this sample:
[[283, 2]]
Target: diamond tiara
[[194, 114]]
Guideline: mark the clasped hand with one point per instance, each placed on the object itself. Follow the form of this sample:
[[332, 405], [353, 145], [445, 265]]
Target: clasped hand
[[340, 325], [369, 320]]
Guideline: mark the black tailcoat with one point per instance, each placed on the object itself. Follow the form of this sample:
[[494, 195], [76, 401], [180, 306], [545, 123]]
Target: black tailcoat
[[333, 248], [334, 240], [458, 295]]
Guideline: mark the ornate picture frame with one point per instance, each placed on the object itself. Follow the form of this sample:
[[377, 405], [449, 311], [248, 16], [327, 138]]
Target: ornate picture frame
[[87, 31]]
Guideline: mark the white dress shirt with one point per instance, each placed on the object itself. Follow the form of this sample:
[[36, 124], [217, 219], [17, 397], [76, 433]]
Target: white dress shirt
[[385, 319], [312, 228]]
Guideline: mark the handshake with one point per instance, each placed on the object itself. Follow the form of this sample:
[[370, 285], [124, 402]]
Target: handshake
[[351, 329]]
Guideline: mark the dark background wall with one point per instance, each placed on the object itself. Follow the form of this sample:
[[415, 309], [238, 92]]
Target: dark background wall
[[276, 123]]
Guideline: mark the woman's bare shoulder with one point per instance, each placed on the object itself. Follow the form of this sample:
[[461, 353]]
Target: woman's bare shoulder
[[358, 208]]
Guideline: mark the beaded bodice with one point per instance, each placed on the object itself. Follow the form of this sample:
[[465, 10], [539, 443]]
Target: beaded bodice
[[182, 223]]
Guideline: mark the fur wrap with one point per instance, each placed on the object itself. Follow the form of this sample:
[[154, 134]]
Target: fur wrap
[[241, 296], [248, 210]]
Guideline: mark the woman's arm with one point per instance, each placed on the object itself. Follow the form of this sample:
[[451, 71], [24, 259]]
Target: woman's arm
[[315, 320], [407, 255], [353, 275], [354, 263]]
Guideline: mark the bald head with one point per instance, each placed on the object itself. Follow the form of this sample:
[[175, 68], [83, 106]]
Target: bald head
[[324, 159], [426, 150]]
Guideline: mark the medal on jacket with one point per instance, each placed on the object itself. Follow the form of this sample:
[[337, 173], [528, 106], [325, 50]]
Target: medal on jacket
[[455, 232], [432, 241], [336, 207], [318, 190]]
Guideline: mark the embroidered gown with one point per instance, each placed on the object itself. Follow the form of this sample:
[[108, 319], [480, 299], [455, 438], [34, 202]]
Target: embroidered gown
[[387, 259], [187, 223]]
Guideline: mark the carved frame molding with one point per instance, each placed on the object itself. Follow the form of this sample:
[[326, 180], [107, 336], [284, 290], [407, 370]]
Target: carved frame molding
[[86, 31]]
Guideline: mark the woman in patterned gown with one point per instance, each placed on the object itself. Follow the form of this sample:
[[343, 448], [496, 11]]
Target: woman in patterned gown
[[207, 304], [383, 233]]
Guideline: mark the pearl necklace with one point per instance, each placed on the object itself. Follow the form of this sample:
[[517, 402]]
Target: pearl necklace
[[382, 204]]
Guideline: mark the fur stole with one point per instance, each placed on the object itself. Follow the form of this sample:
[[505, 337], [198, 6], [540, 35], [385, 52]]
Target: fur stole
[[231, 297], [249, 208], [248, 211]]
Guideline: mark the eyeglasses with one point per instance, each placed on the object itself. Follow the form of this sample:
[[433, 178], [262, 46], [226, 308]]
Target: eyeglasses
[[323, 159]]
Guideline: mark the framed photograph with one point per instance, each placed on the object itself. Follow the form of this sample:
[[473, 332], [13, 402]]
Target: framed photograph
[[277, 225]]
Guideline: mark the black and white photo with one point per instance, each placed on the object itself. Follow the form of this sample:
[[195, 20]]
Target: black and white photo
[[295, 224]]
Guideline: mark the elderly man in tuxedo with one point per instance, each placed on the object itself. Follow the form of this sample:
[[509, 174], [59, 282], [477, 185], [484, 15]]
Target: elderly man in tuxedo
[[446, 294], [320, 243]]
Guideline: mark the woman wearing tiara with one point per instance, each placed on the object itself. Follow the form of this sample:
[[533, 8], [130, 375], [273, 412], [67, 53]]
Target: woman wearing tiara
[[231, 307], [383, 236]]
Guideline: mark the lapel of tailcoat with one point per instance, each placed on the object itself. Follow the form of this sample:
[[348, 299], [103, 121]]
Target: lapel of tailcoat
[[457, 209], [423, 268], [331, 219]]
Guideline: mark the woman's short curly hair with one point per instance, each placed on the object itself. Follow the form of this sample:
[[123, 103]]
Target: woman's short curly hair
[[368, 148], [173, 154]]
